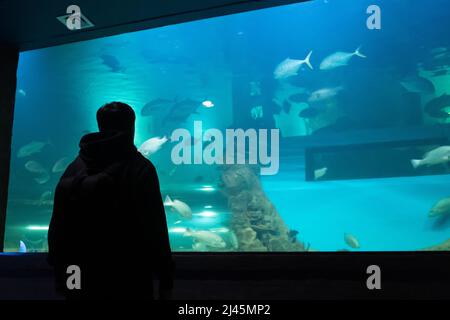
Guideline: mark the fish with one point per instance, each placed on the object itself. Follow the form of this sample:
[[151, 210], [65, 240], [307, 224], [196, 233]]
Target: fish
[[61, 165], [155, 106], [177, 222], [257, 112], [172, 171], [299, 97], [319, 173], [179, 206], [152, 145], [31, 148], [22, 247], [351, 241], [112, 62], [324, 94], [42, 178], [433, 157], [339, 59], [34, 167], [208, 104], [181, 110], [435, 107], [418, 85], [234, 241], [46, 195], [438, 50], [22, 92], [440, 208], [289, 67], [207, 238], [309, 113]]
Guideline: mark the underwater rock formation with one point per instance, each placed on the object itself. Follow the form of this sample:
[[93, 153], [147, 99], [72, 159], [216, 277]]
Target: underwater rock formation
[[255, 221], [444, 246]]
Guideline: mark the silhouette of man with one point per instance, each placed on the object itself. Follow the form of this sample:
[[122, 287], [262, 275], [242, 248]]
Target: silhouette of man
[[108, 217]]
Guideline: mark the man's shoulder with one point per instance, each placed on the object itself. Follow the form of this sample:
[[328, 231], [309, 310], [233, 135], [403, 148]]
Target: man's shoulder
[[142, 164]]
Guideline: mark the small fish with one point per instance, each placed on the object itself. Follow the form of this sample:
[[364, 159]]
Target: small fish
[[112, 62], [155, 107], [339, 59], [22, 247], [31, 148], [22, 92], [289, 67], [43, 178], [435, 107], [208, 104], [433, 157], [324, 94], [234, 241], [319, 173], [152, 145], [438, 50], [257, 112], [351, 241], [172, 171], [46, 196], [208, 238], [177, 222], [418, 85], [179, 206], [34, 167], [441, 208], [61, 165]]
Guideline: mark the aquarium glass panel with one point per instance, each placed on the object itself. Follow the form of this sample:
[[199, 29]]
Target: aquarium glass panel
[[343, 110]]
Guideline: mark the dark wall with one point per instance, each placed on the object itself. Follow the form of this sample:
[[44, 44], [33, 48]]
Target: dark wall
[[9, 58]]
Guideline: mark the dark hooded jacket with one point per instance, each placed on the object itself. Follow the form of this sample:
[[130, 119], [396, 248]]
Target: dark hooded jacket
[[109, 220]]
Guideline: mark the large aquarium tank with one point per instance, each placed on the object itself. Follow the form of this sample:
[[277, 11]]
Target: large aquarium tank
[[344, 111]]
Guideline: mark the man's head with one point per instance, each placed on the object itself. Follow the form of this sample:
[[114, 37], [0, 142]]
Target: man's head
[[116, 117]]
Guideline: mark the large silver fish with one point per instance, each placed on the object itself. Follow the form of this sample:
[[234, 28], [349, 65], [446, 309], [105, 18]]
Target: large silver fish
[[289, 67], [207, 238], [61, 165], [34, 167], [441, 208], [418, 84], [339, 59], [433, 157], [31, 148], [351, 241]]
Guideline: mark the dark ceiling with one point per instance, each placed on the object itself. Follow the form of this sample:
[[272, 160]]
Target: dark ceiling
[[32, 24]]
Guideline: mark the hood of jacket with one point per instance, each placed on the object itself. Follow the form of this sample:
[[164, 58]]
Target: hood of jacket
[[103, 149]]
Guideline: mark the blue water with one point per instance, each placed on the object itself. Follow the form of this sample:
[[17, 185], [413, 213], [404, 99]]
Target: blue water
[[218, 59]]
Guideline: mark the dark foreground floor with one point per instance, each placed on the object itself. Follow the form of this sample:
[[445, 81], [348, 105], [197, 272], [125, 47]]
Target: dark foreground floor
[[256, 276]]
